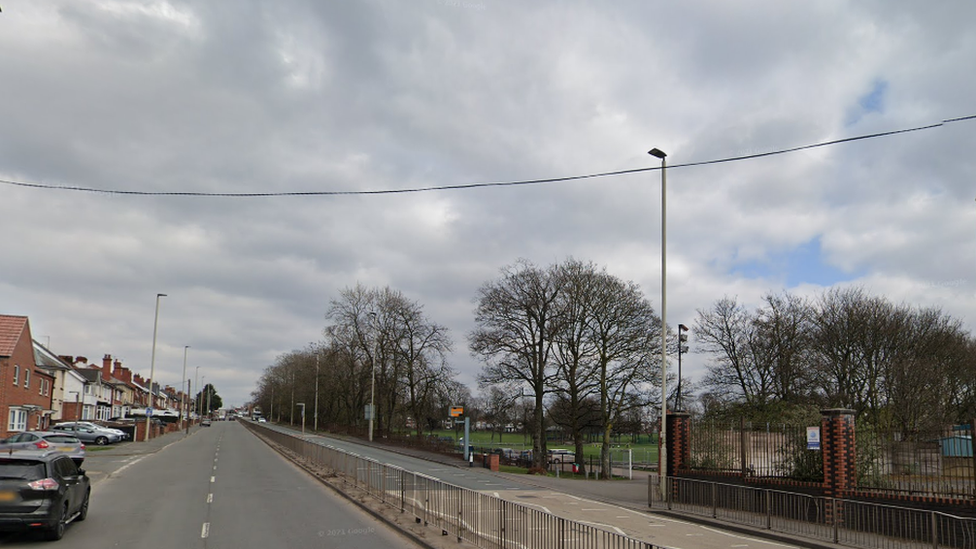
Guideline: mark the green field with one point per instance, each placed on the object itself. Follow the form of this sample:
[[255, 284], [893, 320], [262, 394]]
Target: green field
[[643, 451]]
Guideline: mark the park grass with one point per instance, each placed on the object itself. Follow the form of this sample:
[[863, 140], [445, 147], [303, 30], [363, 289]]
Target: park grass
[[645, 449]]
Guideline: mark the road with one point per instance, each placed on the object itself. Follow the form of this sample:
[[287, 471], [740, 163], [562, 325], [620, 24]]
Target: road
[[219, 487]]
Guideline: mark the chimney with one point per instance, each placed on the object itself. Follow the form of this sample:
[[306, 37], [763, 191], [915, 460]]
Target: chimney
[[106, 367], [124, 374]]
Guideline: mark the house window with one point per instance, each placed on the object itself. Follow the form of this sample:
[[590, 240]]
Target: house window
[[47, 388], [26, 378], [16, 373], [17, 420]]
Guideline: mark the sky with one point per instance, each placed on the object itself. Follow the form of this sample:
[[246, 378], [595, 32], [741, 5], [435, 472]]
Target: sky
[[230, 97]]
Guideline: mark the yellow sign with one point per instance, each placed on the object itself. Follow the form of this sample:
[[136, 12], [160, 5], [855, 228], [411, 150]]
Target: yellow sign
[[456, 411]]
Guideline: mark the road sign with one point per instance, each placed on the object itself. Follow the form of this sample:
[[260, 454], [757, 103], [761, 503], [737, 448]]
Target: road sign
[[148, 412], [457, 411], [369, 412]]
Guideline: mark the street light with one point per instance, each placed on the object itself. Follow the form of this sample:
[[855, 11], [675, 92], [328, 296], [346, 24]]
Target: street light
[[372, 383], [658, 153], [681, 339], [152, 369], [315, 409], [183, 397], [302, 404], [196, 383]]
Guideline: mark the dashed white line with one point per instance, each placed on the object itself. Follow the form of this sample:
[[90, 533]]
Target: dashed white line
[[205, 532], [210, 498], [213, 479]]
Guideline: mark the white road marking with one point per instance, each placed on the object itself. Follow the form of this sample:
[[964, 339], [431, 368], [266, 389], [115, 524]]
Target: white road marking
[[127, 465], [210, 498], [213, 479], [618, 530], [205, 532]]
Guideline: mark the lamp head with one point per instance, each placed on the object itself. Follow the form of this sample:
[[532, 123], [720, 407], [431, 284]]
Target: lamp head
[[656, 152], [682, 328]]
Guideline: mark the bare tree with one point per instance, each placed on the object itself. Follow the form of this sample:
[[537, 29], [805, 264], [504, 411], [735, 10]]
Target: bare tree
[[622, 330], [577, 370], [517, 316], [727, 331]]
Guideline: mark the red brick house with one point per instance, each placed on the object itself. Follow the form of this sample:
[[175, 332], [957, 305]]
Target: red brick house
[[25, 389]]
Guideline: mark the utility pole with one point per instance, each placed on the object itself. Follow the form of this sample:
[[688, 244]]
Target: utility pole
[[188, 389], [315, 408]]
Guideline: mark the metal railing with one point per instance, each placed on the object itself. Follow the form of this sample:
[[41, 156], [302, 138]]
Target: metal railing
[[926, 464], [486, 521], [759, 450], [842, 521]]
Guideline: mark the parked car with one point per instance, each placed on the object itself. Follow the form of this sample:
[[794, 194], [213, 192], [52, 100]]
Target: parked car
[[262, 420], [41, 490], [85, 433], [46, 440], [558, 455], [101, 425], [205, 423]]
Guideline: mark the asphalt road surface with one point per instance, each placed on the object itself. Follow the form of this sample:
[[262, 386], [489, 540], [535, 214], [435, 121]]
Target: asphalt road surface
[[220, 487]]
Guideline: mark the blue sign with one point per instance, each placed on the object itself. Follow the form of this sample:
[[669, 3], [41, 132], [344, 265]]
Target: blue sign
[[148, 412]]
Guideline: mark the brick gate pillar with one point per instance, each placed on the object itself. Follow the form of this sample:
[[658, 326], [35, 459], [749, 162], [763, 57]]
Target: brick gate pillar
[[839, 458], [679, 442]]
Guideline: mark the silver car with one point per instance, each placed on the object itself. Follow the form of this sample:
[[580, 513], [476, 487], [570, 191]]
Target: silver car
[[46, 440], [86, 433]]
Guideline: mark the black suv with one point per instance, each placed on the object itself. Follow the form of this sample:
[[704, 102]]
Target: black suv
[[41, 490]]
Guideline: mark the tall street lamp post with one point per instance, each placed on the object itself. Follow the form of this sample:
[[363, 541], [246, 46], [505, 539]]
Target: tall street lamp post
[[681, 341], [183, 398], [152, 369], [372, 383], [662, 440], [196, 383], [188, 403], [315, 409]]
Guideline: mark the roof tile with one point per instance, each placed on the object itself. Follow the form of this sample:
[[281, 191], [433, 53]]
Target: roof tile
[[11, 328]]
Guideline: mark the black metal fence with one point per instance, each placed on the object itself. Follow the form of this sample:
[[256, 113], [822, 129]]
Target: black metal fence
[[843, 521], [755, 450], [924, 464]]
